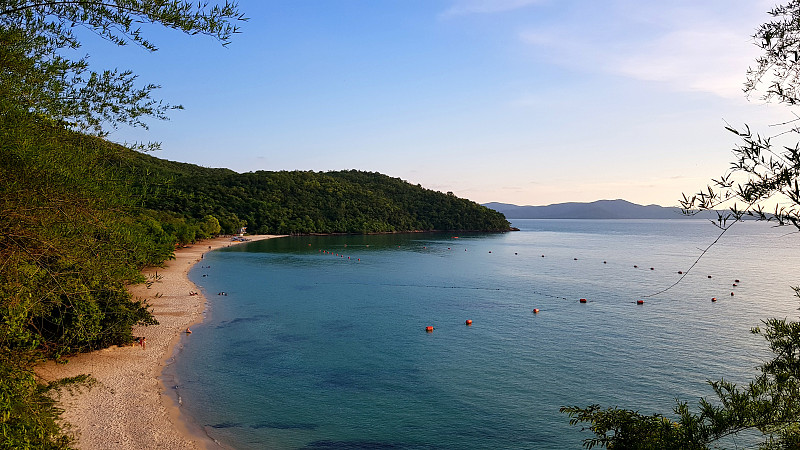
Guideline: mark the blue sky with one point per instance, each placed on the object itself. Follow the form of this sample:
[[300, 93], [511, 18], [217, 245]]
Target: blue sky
[[530, 102]]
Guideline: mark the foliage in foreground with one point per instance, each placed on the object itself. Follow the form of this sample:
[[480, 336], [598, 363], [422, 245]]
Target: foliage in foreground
[[71, 234], [38, 74], [769, 404], [763, 171]]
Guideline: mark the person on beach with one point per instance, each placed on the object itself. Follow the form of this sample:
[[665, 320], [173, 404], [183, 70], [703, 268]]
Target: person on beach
[[143, 342]]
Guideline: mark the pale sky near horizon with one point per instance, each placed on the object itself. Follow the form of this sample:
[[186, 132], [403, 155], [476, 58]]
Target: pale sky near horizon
[[529, 102]]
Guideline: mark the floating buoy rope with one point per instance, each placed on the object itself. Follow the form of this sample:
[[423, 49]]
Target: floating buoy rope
[[682, 274]]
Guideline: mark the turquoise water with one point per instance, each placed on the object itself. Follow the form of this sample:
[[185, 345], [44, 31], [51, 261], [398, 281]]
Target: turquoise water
[[320, 342]]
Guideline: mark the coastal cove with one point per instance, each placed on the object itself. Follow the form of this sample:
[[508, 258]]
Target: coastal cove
[[320, 341], [126, 406]]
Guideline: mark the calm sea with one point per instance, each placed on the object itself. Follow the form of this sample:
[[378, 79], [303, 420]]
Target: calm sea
[[320, 342]]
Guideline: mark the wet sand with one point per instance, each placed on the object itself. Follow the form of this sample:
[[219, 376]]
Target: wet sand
[[128, 407]]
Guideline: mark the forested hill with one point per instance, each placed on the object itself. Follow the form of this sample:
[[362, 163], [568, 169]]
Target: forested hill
[[82, 216], [601, 209], [290, 202]]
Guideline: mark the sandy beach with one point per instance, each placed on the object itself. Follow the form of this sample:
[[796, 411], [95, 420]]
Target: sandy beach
[[128, 407]]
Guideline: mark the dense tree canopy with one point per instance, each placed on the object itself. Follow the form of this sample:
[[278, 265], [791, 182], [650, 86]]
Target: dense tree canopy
[[81, 216], [762, 182], [72, 234], [299, 202]]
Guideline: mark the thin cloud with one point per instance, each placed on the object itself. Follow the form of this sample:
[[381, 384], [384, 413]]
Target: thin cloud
[[711, 61], [709, 53], [465, 7]]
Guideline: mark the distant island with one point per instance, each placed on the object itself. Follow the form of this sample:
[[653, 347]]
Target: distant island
[[600, 209]]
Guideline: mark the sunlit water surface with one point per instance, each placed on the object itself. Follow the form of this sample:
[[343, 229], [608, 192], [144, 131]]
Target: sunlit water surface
[[320, 342]]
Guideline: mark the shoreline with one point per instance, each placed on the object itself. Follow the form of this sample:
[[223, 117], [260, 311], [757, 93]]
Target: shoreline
[[129, 406]]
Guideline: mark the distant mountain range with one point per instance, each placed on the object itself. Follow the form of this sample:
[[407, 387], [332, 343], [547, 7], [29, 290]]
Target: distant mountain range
[[601, 209]]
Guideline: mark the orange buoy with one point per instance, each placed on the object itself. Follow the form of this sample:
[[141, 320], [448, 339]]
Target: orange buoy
[[731, 294], [713, 299], [536, 310], [736, 281], [468, 322], [583, 300], [734, 284], [429, 329], [640, 302], [680, 272]]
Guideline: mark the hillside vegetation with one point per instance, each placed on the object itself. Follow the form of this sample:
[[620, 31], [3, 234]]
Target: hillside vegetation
[[310, 202], [82, 217]]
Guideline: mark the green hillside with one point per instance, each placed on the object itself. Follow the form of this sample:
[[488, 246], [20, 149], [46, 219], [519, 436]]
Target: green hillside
[[310, 202], [82, 217]]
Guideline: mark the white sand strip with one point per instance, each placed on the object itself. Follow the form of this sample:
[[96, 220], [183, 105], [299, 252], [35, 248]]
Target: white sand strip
[[128, 408]]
